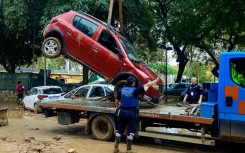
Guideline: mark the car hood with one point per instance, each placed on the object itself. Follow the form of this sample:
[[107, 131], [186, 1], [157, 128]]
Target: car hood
[[143, 67]]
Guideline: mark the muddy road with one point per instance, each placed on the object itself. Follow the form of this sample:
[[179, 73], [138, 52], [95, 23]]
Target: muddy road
[[33, 133]]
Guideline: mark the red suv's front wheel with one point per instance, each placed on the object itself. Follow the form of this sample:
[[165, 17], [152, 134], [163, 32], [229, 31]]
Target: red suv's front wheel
[[51, 47]]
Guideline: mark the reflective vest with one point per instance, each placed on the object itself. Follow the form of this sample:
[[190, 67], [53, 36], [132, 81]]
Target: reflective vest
[[127, 97]]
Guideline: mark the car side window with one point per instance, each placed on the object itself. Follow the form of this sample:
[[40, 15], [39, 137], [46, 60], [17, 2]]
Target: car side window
[[108, 91], [34, 91], [68, 95], [84, 26], [82, 92], [39, 91], [108, 41], [31, 92], [182, 86], [177, 86], [97, 92], [237, 71]]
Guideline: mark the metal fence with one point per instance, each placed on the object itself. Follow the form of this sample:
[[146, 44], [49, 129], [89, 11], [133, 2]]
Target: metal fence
[[8, 81]]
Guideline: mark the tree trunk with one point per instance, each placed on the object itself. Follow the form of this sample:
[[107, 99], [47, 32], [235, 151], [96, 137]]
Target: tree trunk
[[182, 62], [214, 60], [181, 58]]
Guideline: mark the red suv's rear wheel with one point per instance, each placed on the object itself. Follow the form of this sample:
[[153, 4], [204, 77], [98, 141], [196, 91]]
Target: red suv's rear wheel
[[51, 47]]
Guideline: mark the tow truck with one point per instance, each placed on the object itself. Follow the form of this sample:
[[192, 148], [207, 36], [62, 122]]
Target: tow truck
[[222, 117]]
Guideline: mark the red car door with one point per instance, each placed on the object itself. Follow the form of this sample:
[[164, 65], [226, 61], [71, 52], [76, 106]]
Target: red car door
[[79, 38], [104, 54]]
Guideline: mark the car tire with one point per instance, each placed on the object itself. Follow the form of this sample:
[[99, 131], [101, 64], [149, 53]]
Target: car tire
[[37, 109], [119, 86], [51, 47], [102, 128]]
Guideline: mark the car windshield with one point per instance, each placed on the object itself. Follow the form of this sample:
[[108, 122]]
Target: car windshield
[[132, 55], [173, 85]]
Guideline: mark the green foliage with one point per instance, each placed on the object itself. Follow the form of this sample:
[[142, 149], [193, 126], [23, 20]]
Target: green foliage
[[161, 68], [19, 43], [206, 25], [200, 70], [190, 25], [14, 15]]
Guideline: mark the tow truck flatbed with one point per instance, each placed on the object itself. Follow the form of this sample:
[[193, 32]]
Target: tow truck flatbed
[[100, 114], [146, 110]]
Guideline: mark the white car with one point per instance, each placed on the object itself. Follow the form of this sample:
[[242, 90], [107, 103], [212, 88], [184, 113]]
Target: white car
[[90, 91], [36, 94]]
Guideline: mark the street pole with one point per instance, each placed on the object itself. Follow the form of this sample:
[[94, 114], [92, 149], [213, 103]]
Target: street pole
[[166, 77], [44, 75], [166, 48]]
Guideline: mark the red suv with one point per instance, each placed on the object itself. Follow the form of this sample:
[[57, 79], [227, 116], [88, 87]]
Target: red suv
[[106, 51]]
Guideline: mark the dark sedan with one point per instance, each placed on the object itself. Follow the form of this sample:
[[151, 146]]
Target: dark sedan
[[176, 88]]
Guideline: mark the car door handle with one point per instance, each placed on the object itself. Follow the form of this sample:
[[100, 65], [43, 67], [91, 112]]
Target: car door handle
[[69, 32], [95, 49]]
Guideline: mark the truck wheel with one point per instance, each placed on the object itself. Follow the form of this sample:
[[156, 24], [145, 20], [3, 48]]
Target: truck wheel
[[51, 47], [119, 86], [102, 128]]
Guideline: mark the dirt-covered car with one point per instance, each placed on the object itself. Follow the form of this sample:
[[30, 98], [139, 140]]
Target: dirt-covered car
[[106, 51], [36, 94], [90, 91]]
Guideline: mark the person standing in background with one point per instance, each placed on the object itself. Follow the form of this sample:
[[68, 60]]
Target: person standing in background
[[20, 92], [194, 92]]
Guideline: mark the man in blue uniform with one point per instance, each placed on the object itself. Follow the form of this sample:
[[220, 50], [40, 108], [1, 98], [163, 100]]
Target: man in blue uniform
[[194, 92], [127, 111]]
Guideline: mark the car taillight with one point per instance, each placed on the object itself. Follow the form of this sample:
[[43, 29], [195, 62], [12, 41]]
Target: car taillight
[[42, 96], [63, 94]]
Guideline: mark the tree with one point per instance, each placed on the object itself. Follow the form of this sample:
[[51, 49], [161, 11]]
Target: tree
[[167, 32], [19, 42], [208, 26]]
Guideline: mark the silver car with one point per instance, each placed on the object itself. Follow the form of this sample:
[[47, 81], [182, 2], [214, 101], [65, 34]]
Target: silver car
[[90, 91]]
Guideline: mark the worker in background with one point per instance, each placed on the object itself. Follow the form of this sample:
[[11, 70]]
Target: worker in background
[[194, 92], [126, 103], [20, 92]]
